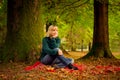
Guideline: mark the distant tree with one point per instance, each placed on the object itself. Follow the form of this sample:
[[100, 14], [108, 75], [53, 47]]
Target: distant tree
[[100, 47], [3, 15], [24, 30]]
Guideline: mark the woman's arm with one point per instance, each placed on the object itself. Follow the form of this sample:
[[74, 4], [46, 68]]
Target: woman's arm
[[47, 49], [58, 41]]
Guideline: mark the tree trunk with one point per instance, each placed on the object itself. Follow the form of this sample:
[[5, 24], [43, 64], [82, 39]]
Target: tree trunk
[[72, 41], [82, 46], [89, 46], [24, 29], [100, 47]]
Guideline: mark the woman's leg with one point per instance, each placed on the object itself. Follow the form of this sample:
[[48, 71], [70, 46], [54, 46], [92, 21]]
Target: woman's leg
[[58, 62], [62, 62], [48, 59]]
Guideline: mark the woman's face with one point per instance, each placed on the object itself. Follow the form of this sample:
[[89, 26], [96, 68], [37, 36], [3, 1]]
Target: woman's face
[[53, 31]]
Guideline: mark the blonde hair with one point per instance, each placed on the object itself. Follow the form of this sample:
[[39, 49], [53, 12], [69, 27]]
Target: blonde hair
[[49, 28]]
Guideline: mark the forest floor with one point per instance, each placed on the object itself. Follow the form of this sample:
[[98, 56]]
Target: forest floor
[[100, 69]]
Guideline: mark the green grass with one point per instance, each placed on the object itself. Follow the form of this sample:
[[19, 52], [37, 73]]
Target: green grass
[[117, 56]]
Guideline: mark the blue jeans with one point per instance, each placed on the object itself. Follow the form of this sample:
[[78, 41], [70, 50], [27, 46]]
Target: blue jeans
[[58, 60]]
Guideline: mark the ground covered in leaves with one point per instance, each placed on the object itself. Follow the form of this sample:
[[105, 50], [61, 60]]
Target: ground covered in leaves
[[93, 69]]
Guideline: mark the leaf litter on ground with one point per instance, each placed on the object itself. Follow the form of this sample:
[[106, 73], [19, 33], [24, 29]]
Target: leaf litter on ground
[[100, 69]]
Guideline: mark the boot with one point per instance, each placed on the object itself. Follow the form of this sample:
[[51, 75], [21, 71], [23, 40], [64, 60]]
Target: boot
[[70, 66]]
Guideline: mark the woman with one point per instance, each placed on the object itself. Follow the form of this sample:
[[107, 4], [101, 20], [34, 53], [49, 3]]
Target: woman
[[51, 53]]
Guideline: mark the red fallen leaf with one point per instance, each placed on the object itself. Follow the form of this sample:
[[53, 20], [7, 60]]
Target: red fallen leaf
[[50, 69], [28, 68], [117, 68], [37, 63], [104, 69], [40, 67], [100, 67], [109, 68], [33, 66], [97, 70], [80, 67]]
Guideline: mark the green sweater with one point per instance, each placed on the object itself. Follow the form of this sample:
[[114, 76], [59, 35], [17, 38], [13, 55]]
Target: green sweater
[[50, 46]]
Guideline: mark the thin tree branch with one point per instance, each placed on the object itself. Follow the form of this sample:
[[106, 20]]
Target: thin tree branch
[[80, 4], [70, 4], [118, 4], [73, 7]]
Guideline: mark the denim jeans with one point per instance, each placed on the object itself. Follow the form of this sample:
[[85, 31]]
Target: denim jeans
[[58, 60]]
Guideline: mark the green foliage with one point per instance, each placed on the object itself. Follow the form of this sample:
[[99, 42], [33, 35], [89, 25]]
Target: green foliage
[[80, 25], [3, 23], [3, 13], [73, 17], [114, 14], [3, 20], [81, 14]]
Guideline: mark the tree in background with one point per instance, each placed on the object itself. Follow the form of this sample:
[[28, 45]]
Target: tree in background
[[73, 17], [77, 17], [24, 30], [100, 47], [3, 15]]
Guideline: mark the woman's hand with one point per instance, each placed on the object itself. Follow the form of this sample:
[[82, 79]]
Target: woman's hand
[[55, 35], [60, 52]]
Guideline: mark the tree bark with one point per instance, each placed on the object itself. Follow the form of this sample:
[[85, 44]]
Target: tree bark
[[24, 29], [100, 47], [82, 45]]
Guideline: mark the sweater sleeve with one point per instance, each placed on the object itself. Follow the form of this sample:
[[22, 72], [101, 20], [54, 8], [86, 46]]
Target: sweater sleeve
[[47, 49], [58, 42]]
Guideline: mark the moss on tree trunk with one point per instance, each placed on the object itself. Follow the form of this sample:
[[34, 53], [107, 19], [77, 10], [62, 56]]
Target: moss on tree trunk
[[24, 29]]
